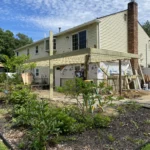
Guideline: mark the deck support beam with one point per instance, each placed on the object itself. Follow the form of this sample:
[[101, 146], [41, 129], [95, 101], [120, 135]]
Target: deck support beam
[[120, 78], [51, 65]]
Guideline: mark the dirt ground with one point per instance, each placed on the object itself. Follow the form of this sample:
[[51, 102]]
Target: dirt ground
[[126, 132], [60, 97]]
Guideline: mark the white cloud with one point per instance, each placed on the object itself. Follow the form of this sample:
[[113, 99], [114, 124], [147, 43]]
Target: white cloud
[[51, 14]]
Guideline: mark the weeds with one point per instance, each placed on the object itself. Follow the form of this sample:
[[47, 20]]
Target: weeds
[[135, 141], [111, 138], [147, 121], [134, 123], [147, 147]]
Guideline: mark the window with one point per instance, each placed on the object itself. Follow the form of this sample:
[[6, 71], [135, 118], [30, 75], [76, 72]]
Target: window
[[75, 42], [28, 52], [36, 50], [82, 39], [79, 40], [54, 43], [17, 53], [37, 72], [47, 44]]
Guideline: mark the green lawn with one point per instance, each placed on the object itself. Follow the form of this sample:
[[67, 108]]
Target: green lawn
[[2, 146]]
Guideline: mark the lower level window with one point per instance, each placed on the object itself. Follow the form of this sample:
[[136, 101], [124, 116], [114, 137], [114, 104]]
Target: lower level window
[[37, 72]]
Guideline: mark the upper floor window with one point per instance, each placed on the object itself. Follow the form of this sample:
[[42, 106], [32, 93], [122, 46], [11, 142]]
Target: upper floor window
[[36, 50], [17, 53], [79, 40], [75, 42], [47, 44], [28, 52], [54, 43]]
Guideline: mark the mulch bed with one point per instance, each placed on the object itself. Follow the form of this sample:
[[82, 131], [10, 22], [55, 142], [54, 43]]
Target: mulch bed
[[129, 131], [126, 132]]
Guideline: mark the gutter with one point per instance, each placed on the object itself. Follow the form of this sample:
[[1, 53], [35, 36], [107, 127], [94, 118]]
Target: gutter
[[77, 27]]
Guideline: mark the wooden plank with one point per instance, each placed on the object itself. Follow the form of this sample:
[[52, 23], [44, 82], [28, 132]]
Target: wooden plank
[[113, 53], [142, 74], [137, 78], [51, 81]]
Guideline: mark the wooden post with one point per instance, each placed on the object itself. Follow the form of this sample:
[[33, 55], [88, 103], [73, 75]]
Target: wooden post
[[86, 66], [120, 80], [51, 65], [50, 43]]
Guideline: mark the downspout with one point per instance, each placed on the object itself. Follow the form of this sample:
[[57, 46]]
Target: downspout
[[146, 56], [99, 36]]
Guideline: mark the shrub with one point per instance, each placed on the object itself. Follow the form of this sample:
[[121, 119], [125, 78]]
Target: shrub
[[101, 121], [147, 147], [39, 116], [90, 92], [21, 96], [80, 117], [66, 123], [44, 121], [2, 77], [60, 89]]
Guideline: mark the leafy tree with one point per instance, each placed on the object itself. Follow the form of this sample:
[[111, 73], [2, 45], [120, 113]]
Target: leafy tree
[[9, 42], [146, 27], [17, 63], [22, 39]]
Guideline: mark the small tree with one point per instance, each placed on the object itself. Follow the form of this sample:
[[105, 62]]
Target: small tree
[[89, 92], [17, 64]]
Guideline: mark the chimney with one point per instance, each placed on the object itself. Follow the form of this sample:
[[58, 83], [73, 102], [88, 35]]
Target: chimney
[[59, 29], [133, 32]]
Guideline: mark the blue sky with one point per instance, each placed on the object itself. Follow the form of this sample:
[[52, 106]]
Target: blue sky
[[36, 18]]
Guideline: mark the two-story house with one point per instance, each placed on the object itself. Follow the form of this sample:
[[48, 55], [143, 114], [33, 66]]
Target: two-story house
[[119, 32]]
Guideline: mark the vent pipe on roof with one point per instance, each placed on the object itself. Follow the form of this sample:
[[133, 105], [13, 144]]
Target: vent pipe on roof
[[59, 29]]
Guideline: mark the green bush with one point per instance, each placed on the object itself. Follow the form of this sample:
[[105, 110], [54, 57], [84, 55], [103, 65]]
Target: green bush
[[67, 124], [2, 77], [60, 89], [15, 79], [45, 121], [89, 91], [101, 121], [21, 96], [40, 117], [80, 117], [147, 147]]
